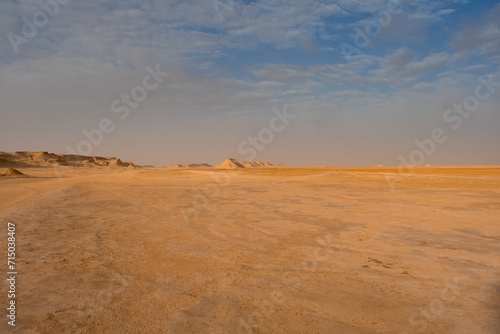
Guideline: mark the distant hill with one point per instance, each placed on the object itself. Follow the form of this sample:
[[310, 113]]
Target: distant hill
[[230, 163], [46, 159], [203, 165], [256, 164]]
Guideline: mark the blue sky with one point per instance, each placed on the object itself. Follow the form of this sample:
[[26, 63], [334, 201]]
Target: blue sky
[[231, 63]]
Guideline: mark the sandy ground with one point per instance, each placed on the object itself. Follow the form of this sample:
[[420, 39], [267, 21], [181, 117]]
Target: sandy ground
[[295, 250]]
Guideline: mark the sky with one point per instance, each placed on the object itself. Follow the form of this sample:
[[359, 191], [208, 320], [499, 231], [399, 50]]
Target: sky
[[296, 82]]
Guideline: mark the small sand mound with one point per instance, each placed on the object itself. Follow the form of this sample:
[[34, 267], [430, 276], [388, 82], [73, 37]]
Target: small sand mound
[[12, 173], [230, 163]]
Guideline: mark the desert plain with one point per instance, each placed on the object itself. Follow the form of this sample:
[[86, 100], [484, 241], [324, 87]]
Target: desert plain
[[254, 250]]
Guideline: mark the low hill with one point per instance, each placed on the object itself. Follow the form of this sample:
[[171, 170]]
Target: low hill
[[230, 163], [203, 165]]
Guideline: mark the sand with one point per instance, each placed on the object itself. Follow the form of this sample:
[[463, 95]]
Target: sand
[[259, 250]]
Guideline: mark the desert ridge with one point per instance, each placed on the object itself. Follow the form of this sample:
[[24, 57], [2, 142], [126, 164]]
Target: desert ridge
[[45, 159], [260, 164], [22, 159], [202, 165]]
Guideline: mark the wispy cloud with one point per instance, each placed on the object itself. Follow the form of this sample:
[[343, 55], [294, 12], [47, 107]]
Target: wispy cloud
[[481, 36]]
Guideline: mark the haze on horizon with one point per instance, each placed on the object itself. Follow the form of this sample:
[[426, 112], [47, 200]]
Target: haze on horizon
[[362, 82]]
